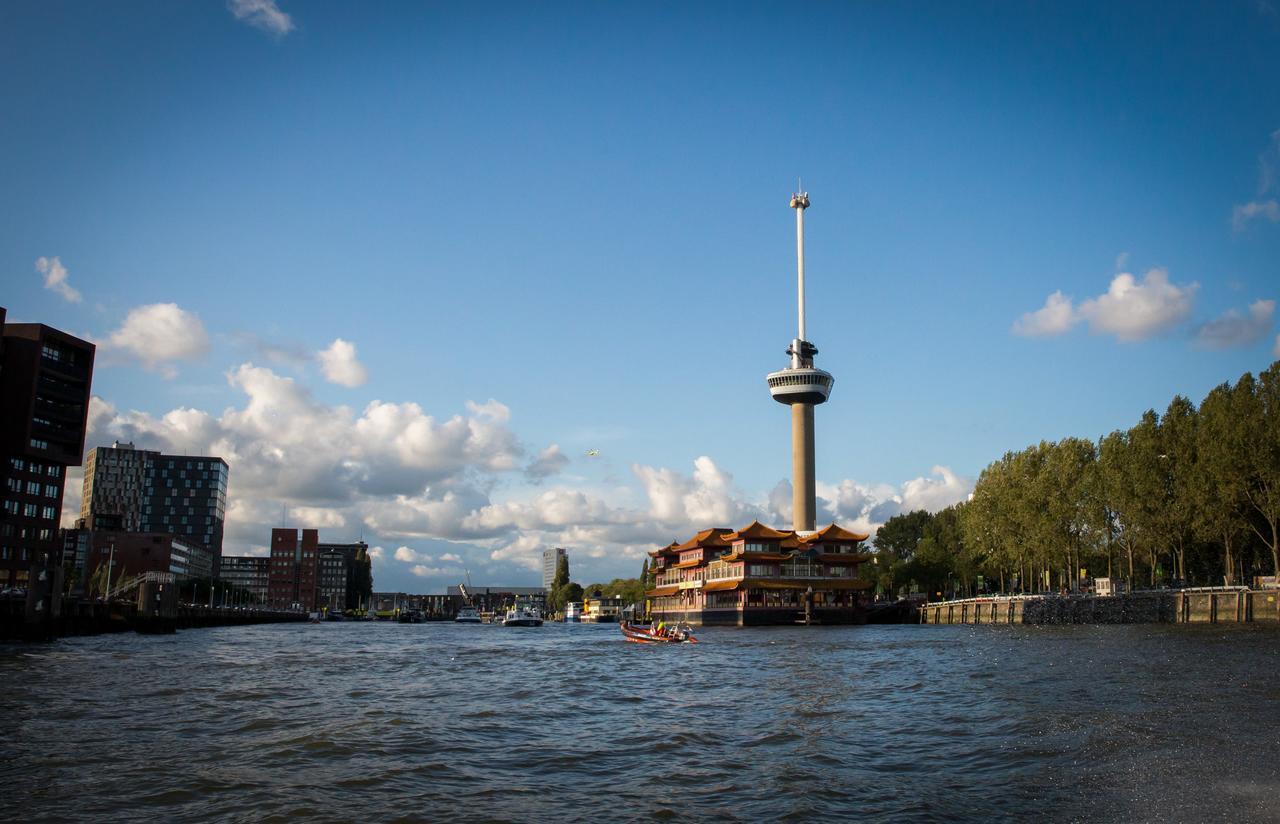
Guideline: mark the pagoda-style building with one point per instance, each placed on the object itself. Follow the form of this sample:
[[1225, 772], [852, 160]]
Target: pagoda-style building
[[757, 575]]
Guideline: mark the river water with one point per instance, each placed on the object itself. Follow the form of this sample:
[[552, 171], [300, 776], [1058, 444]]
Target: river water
[[443, 722]]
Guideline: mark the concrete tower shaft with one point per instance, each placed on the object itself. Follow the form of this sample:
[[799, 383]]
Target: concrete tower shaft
[[802, 386]]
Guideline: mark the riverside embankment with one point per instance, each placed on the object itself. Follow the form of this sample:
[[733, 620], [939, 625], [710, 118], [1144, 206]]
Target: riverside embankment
[[74, 617], [1186, 606]]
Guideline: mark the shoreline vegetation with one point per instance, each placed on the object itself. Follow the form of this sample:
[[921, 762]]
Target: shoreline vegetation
[[1190, 497]]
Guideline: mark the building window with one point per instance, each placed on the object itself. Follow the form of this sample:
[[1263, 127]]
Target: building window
[[48, 513], [36, 443], [29, 510], [17, 463]]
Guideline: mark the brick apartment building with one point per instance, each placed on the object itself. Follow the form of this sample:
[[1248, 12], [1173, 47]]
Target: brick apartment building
[[294, 574]]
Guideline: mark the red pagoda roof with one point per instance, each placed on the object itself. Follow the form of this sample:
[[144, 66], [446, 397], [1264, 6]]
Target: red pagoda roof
[[835, 534], [758, 531], [707, 537]]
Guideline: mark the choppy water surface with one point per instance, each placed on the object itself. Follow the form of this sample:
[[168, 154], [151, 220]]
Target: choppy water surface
[[379, 722]]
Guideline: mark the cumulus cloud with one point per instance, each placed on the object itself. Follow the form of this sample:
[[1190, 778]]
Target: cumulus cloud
[[405, 476], [935, 492], [1054, 318], [550, 461], [1242, 214], [55, 278], [262, 14], [1130, 309], [410, 556], [340, 366], [157, 335], [1233, 328]]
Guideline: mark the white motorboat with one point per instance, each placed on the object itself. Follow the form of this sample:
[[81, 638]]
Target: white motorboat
[[572, 612], [522, 617], [467, 615]]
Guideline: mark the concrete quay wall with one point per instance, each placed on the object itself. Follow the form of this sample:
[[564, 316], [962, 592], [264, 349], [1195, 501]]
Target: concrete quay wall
[[86, 617], [1220, 605]]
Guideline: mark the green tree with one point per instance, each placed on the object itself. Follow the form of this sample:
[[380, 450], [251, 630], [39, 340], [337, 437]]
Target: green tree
[[1258, 409], [1179, 472], [900, 534], [1223, 450], [556, 596], [570, 593]]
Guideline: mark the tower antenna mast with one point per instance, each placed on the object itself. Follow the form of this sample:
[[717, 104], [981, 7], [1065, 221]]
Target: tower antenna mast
[[801, 386]]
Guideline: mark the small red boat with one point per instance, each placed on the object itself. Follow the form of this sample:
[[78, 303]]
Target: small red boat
[[637, 634]]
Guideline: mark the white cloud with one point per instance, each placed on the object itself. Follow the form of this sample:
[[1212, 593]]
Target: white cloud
[[935, 493], [1129, 309], [1275, 350], [262, 14], [158, 334], [550, 461], [55, 278], [1236, 329], [404, 476], [1054, 318], [1267, 209], [340, 366], [411, 556], [1134, 311], [317, 517]]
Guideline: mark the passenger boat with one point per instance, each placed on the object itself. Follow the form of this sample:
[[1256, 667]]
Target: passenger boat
[[638, 634], [467, 615], [522, 617]]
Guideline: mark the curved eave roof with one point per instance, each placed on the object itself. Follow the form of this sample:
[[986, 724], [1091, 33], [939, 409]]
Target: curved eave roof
[[757, 531], [706, 538], [835, 534]]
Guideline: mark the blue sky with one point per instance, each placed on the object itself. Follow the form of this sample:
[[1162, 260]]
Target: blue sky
[[519, 233]]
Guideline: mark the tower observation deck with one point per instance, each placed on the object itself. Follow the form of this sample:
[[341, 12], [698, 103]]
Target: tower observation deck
[[801, 386]]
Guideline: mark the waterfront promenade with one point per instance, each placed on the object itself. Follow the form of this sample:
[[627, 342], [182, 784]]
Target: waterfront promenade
[[1203, 605]]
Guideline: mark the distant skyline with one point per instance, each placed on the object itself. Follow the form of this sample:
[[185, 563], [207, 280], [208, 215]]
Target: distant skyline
[[406, 267]]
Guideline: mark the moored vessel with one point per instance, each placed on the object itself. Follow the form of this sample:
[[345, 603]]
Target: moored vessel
[[467, 615], [522, 617]]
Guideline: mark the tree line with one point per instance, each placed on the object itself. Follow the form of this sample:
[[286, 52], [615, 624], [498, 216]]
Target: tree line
[[1190, 496]]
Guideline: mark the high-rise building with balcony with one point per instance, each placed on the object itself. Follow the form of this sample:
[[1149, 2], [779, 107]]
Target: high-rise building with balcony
[[137, 490]]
